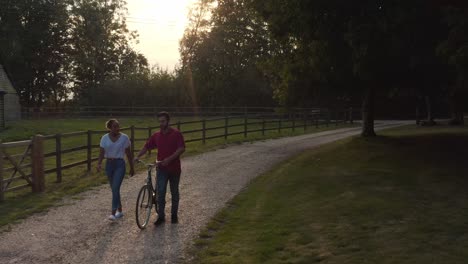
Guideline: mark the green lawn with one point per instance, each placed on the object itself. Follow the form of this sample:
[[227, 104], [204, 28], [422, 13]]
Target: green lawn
[[398, 198], [20, 204]]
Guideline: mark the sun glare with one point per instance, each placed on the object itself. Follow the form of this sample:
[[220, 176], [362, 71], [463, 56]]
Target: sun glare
[[160, 25]]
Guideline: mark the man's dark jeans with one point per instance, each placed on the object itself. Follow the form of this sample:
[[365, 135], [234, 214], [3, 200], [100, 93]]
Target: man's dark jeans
[[162, 178]]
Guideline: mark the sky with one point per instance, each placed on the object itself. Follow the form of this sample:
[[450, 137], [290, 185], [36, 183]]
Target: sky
[[160, 25]]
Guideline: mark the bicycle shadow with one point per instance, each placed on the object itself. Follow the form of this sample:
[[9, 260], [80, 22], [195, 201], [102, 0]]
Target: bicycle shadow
[[161, 244], [107, 234]]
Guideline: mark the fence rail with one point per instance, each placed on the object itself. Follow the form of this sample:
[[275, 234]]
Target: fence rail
[[245, 124], [121, 111]]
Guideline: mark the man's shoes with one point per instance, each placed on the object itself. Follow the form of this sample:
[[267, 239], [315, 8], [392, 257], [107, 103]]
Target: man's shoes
[[174, 219], [159, 221]]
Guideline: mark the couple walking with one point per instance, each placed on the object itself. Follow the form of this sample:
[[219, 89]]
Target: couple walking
[[170, 144]]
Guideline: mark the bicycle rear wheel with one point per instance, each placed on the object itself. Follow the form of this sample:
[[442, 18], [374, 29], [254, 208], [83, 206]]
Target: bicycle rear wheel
[[143, 207]]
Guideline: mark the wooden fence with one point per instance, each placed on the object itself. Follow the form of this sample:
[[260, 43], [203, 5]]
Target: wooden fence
[[122, 111], [29, 166]]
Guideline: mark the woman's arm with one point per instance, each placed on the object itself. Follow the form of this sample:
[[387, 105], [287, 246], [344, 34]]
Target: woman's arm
[[101, 157], [129, 153]]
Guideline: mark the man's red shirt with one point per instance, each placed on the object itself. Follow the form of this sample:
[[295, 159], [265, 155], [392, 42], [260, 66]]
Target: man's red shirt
[[167, 144]]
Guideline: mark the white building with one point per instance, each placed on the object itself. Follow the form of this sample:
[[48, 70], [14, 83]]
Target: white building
[[12, 107]]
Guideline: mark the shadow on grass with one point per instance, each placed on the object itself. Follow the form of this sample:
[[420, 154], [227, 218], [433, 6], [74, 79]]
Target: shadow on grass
[[400, 197], [441, 149]]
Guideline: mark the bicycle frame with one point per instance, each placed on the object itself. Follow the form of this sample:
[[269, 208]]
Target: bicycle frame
[[151, 200], [149, 180]]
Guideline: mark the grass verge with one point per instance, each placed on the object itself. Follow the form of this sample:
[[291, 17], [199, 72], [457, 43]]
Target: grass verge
[[398, 198]]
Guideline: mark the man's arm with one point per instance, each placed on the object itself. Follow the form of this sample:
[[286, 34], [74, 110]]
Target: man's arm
[[149, 145], [174, 156], [141, 153]]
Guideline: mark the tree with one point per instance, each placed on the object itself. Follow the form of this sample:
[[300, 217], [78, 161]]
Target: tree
[[366, 46], [224, 54], [100, 39], [194, 34], [454, 51], [33, 47]]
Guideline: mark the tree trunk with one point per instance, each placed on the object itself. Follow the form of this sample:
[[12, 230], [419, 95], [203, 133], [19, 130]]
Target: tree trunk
[[368, 113], [429, 108], [430, 117], [456, 104], [418, 111], [457, 113]]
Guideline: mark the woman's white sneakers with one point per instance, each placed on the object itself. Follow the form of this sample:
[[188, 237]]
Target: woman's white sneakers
[[116, 216], [119, 214]]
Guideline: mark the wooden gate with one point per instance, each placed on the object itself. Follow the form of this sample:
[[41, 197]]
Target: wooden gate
[[23, 170]]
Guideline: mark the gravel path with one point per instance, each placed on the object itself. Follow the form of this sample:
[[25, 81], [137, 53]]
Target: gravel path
[[78, 231]]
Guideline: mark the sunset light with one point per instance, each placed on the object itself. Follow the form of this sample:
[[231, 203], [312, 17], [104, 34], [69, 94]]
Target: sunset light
[[160, 25]]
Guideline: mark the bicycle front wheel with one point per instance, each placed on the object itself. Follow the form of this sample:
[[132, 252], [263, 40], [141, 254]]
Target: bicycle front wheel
[[143, 207]]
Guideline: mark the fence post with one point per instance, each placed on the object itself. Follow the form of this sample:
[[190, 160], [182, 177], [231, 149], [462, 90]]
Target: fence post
[[294, 121], [132, 138], [279, 125], [263, 126], [417, 116], [1, 172], [351, 115], [305, 121], [204, 131], [90, 148], [178, 125], [226, 123], [37, 157], [317, 120], [337, 114], [345, 116], [58, 156], [245, 126], [328, 117]]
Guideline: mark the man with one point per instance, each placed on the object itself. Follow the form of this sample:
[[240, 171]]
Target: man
[[170, 144]]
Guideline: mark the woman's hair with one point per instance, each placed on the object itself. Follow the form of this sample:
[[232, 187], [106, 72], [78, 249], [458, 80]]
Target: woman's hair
[[165, 114], [110, 122]]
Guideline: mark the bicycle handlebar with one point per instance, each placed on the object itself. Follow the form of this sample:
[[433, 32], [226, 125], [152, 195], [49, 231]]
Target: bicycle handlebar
[[148, 164]]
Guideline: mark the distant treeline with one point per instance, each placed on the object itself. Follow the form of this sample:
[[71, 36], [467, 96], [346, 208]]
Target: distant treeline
[[295, 53]]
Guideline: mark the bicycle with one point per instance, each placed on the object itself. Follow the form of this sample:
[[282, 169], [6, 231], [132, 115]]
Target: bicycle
[[147, 197]]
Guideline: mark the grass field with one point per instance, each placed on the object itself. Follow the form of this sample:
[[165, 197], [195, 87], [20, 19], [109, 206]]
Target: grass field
[[398, 198], [20, 204]]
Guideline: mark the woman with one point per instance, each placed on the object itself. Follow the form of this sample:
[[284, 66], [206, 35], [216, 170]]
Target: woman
[[114, 145]]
